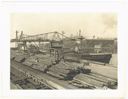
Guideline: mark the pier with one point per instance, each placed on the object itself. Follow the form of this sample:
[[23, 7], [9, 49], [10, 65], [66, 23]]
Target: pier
[[55, 61]]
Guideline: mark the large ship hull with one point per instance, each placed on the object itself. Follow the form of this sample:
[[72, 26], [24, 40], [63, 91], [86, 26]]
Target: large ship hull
[[99, 57]]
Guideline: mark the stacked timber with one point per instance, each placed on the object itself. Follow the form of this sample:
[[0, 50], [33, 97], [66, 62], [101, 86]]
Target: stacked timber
[[90, 81], [39, 62], [96, 80], [62, 73], [14, 54], [21, 58], [80, 85], [41, 67], [30, 61], [109, 82], [71, 65], [107, 71], [65, 71]]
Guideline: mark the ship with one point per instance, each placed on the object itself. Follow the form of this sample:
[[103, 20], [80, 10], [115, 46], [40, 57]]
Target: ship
[[98, 57], [97, 50]]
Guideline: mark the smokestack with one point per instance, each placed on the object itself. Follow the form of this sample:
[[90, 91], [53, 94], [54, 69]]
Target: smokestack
[[79, 32], [16, 34], [21, 35], [22, 32]]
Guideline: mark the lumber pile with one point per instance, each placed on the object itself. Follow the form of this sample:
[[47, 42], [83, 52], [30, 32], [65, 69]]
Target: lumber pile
[[107, 71], [66, 71], [41, 67], [60, 70], [81, 85], [15, 54], [96, 80], [21, 57], [39, 62], [109, 82], [28, 62], [12, 55], [90, 81]]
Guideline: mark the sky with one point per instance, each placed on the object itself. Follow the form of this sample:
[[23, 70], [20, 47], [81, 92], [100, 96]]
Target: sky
[[102, 25]]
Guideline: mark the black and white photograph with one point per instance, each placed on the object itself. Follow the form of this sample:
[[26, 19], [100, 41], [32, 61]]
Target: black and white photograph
[[54, 51]]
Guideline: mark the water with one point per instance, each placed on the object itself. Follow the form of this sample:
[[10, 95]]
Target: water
[[113, 60]]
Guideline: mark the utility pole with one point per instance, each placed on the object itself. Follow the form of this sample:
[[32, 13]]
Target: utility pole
[[16, 44]]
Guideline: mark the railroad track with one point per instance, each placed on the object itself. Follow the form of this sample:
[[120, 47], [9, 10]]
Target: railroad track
[[21, 81], [41, 77]]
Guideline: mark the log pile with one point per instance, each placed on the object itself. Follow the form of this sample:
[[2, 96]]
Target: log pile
[[66, 71], [107, 71], [85, 79], [109, 82], [41, 67], [96, 80], [39, 62], [20, 58]]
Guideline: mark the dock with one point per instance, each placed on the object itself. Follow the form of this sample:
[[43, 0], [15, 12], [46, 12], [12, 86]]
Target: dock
[[54, 61]]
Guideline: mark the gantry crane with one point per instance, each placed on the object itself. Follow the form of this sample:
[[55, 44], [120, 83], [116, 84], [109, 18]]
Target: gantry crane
[[55, 39]]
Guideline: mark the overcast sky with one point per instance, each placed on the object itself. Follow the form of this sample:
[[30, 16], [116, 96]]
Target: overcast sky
[[98, 24]]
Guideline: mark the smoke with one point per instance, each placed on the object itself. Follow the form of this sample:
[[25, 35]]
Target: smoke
[[109, 21]]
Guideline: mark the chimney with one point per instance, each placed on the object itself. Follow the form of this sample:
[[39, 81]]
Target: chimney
[[21, 35], [16, 35]]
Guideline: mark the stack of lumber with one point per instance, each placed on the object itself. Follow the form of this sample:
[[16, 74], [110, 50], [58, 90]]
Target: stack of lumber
[[81, 67], [110, 82], [96, 80], [99, 77], [64, 70], [41, 67], [39, 62], [14, 54], [20, 58], [28, 62], [107, 71], [81, 85], [88, 80], [75, 65]]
